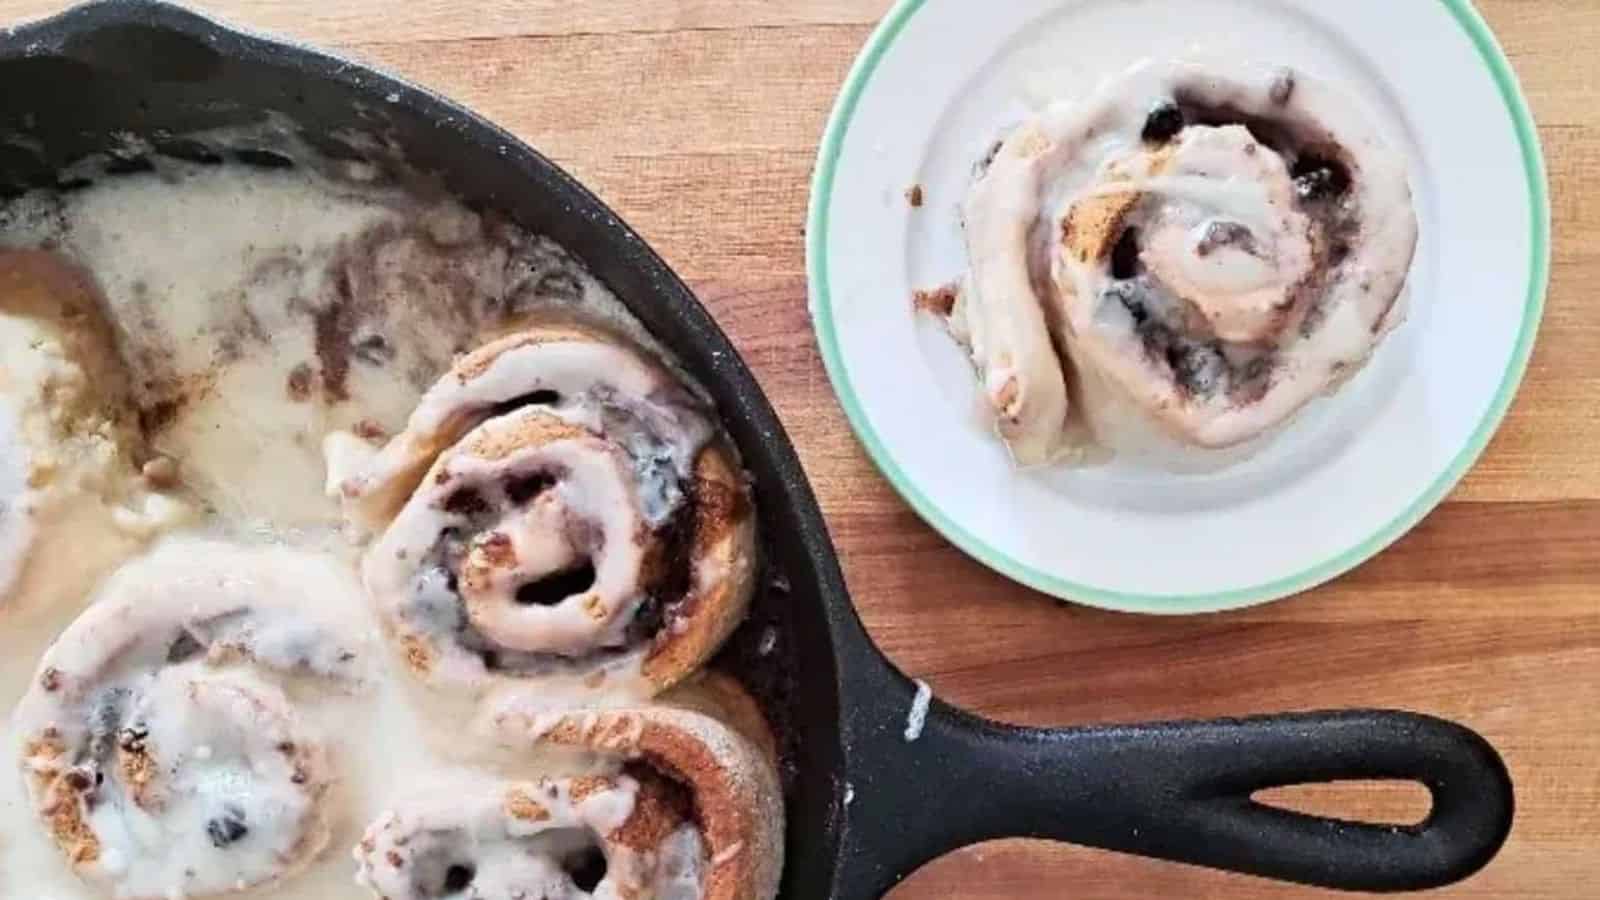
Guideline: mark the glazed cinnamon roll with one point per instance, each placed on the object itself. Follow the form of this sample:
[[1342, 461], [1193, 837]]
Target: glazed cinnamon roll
[[558, 506], [72, 500], [692, 811], [1210, 246], [165, 741]]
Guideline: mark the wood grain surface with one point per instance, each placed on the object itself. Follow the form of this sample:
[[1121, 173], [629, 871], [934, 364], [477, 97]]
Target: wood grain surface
[[698, 120]]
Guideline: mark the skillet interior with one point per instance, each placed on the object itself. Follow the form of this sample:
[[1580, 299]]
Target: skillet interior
[[133, 67]]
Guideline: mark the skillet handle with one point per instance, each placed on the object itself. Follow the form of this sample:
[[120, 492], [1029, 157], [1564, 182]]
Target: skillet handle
[[1175, 791]]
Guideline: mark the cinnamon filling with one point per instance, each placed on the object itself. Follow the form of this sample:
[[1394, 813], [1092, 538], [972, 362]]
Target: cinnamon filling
[[664, 590], [1177, 333]]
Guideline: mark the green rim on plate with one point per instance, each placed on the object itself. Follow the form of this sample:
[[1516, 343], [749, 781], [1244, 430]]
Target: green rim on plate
[[822, 314]]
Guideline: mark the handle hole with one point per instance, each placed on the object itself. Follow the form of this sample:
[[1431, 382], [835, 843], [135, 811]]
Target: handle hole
[[1385, 802]]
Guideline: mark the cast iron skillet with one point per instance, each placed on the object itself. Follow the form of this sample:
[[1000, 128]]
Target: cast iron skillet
[[865, 805]]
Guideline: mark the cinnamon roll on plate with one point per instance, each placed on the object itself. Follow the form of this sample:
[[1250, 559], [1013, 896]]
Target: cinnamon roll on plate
[[1182, 261], [1104, 283]]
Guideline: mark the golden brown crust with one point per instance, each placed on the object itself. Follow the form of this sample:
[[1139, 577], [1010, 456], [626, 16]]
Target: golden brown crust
[[656, 815], [417, 653], [380, 504], [522, 807], [62, 790], [730, 776], [1091, 228], [722, 576], [138, 771], [526, 433], [940, 301], [475, 363], [723, 698], [375, 504], [586, 786], [1094, 224], [64, 805]]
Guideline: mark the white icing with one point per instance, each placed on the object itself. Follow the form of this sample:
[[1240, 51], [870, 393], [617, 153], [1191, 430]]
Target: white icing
[[345, 456], [682, 866], [417, 742], [768, 642], [918, 716], [71, 502], [151, 848], [239, 256], [1221, 178], [198, 645], [596, 486], [1005, 328], [522, 719], [611, 444], [17, 528], [175, 252], [600, 386], [525, 839]]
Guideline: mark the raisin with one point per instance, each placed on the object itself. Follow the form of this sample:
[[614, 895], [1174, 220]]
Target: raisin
[[227, 829], [586, 868], [1317, 179], [1125, 255], [458, 877], [647, 621], [183, 648], [1197, 368], [1163, 123]]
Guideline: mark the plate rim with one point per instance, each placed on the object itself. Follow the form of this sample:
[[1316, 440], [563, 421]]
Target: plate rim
[[840, 118]]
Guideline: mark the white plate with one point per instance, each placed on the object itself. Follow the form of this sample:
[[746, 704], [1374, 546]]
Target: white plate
[[935, 85]]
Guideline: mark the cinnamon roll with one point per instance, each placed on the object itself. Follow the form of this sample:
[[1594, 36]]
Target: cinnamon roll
[[72, 500], [691, 811], [558, 506], [166, 743], [1207, 248]]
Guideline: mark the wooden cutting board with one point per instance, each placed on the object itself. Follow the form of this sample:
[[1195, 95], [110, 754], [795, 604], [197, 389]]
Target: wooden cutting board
[[698, 121]]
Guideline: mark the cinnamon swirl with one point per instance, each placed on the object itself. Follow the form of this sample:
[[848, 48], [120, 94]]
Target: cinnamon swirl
[[1207, 248], [166, 744], [560, 507], [690, 811]]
